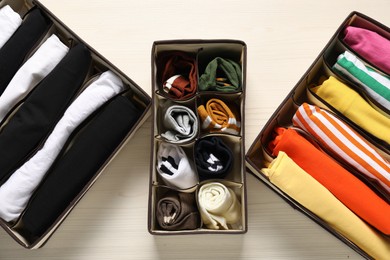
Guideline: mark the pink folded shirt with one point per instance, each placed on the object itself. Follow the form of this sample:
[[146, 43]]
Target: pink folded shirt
[[369, 45]]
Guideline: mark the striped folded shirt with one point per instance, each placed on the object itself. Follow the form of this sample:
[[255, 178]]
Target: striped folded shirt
[[373, 83], [345, 143]]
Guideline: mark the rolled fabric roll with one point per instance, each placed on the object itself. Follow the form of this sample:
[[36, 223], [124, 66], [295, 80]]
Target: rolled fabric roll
[[181, 124], [213, 158], [218, 206], [18, 189], [179, 76], [345, 143], [9, 23], [175, 168], [14, 51], [347, 188], [221, 75], [177, 211], [82, 159], [300, 186], [354, 107], [373, 83], [370, 45], [49, 54], [218, 117], [41, 110]]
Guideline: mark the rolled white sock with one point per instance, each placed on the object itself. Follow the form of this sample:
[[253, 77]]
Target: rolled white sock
[[17, 190], [9, 23], [49, 54]]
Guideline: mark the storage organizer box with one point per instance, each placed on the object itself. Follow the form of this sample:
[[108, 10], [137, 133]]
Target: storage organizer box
[[202, 51], [259, 156], [98, 65]]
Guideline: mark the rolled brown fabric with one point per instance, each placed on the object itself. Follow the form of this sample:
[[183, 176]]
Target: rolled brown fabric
[[178, 211]]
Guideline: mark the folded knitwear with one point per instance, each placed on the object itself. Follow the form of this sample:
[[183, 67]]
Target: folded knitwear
[[174, 167], [354, 107], [14, 51], [216, 116], [49, 54], [177, 211], [347, 188], [81, 160], [41, 110], [304, 189], [370, 45], [218, 206], [221, 75], [9, 23], [374, 84]]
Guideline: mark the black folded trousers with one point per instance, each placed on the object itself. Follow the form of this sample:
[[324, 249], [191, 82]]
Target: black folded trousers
[[20, 44], [81, 161], [41, 110]]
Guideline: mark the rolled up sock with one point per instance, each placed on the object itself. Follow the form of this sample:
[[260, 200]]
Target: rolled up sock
[[17, 190], [41, 110], [221, 75], [300, 186], [89, 150], [370, 45], [373, 83], [181, 124], [354, 107], [345, 143], [49, 54], [9, 23], [347, 188], [177, 211], [218, 206], [218, 117], [179, 77], [213, 158], [174, 167], [20, 44]]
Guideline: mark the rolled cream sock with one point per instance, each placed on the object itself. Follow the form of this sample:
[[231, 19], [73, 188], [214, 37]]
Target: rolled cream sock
[[181, 124], [370, 45], [216, 116], [9, 23], [300, 186], [174, 167], [345, 143], [49, 54], [373, 83], [355, 108], [17, 190], [218, 206]]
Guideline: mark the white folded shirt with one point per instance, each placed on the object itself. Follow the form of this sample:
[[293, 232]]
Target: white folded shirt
[[9, 23]]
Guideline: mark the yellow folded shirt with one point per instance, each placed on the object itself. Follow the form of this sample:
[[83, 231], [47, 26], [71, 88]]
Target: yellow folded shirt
[[299, 185], [353, 106]]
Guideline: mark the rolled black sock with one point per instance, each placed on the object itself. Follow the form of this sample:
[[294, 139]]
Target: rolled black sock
[[20, 44], [79, 164], [41, 110]]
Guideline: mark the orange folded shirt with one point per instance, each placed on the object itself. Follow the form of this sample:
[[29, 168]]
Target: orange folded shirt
[[352, 192]]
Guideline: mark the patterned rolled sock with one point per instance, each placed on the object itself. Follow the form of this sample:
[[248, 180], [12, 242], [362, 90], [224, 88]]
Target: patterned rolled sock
[[370, 45], [49, 54], [89, 150], [9, 23], [347, 188], [41, 110], [221, 75], [218, 206], [174, 167], [177, 211], [299, 185], [218, 117], [213, 158], [20, 44]]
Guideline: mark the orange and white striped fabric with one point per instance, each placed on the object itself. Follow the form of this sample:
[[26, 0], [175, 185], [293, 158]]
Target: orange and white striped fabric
[[340, 139]]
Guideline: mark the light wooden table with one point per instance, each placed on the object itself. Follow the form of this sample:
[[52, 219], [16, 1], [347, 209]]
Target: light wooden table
[[283, 38]]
